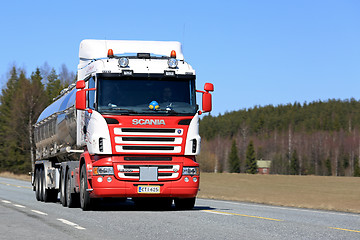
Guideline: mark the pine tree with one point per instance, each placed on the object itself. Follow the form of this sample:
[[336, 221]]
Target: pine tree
[[21, 103], [234, 161], [294, 163], [6, 99], [53, 86], [328, 166], [251, 166], [356, 167]]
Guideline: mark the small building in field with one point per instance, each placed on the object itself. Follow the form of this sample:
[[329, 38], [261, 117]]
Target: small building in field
[[263, 166]]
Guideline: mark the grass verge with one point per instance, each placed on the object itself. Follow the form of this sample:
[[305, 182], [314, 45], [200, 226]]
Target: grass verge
[[16, 176], [316, 192]]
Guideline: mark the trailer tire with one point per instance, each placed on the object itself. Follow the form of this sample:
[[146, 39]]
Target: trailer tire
[[47, 195], [184, 203], [42, 184], [37, 185], [62, 188], [71, 198], [85, 200]]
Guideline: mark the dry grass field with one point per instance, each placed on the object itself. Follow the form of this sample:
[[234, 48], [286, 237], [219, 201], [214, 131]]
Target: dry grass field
[[318, 192], [16, 176]]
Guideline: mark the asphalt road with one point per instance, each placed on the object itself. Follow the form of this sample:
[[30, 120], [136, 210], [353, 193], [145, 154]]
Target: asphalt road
[[22, 217]]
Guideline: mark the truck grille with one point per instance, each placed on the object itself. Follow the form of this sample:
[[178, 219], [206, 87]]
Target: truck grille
[[145, 140], [132, 171]]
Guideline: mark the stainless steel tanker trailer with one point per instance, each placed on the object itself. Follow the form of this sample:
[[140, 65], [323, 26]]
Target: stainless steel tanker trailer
[[128, 128], [56, 149]]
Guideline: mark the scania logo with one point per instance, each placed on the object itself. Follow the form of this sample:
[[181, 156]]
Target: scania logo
[[148, 122]]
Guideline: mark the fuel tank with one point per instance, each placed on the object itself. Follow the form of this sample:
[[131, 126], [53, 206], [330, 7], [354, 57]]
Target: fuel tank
[[55, 129]]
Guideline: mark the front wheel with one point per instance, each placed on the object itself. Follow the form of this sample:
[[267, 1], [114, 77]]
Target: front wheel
[[184, 203], [85, 200]]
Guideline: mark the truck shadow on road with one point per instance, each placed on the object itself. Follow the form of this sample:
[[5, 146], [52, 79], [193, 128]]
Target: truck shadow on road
[[128, 205]]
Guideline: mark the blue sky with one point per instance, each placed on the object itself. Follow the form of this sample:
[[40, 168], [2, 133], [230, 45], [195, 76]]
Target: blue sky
[[254, 52]]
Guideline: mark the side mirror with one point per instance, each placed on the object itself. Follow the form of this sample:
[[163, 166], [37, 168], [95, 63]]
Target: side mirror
[[206, 98], [206, 102], [80, 84], [81, 99]]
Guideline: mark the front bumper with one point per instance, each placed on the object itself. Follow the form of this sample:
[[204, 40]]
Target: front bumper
[[116, 188]]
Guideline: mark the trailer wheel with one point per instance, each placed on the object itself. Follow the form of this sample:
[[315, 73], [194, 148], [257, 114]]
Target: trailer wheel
[[184, 203], [42, 184], [37, 185], [70, 197], [62, 188], [47, 195], [85, 200], [44, 191]]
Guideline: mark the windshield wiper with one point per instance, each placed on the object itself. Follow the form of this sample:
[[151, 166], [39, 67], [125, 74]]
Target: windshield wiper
[[169, 111], [124, 109]]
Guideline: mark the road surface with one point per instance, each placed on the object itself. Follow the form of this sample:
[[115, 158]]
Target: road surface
[[22, 217]]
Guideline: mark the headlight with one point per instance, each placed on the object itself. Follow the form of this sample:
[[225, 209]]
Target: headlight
[[123, 62], [103, 171], [172, 63], [191, 171]]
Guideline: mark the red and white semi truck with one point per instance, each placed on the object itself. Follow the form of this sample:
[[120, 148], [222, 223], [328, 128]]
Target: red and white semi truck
[[128, 128]]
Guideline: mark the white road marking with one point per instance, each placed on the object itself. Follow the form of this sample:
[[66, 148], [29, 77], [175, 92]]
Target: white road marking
[[71, 224], [5, 201], [18, 205], [38, 212]]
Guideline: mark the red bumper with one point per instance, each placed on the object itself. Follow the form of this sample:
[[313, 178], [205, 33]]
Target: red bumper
[[116, 188]]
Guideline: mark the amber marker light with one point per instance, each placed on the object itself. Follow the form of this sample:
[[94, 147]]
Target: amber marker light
[[110, 53]]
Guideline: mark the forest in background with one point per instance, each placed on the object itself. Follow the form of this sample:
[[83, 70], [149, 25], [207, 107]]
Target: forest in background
[[22, 100], [317, 138]]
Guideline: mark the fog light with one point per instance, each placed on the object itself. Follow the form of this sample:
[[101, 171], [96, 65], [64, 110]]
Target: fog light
[[195, 179], [186, 179], [99, 179], [109, 179]]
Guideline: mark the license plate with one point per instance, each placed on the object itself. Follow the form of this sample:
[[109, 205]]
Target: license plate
[[149, 189]]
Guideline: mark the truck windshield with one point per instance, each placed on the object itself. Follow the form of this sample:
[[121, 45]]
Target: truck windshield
[[147, 96]]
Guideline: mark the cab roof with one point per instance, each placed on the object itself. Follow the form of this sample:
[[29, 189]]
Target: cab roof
[[95, 49]]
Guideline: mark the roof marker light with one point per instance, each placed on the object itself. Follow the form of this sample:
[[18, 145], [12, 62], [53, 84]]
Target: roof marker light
[[110, 53], [173, 54]]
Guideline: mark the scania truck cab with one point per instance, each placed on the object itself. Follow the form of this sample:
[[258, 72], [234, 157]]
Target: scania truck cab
[[128, 128]]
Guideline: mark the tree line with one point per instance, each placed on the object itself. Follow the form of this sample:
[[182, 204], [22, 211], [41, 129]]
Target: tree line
[[317, 138], [22, 100]]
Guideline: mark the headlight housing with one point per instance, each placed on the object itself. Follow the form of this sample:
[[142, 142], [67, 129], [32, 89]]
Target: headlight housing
[[123, 62], [103, 171], [172, 63], [192, 171]]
